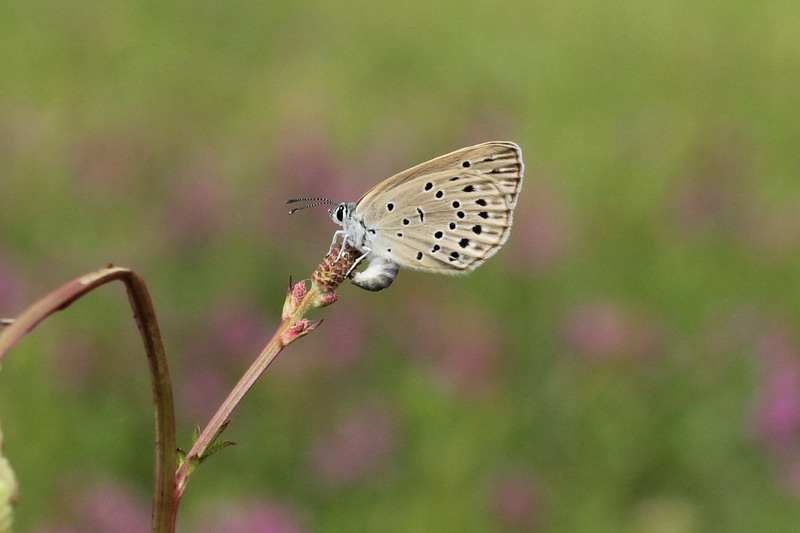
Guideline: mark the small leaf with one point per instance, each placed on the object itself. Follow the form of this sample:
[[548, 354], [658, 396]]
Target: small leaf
[[221, 429], [181, 456], [216, 447]]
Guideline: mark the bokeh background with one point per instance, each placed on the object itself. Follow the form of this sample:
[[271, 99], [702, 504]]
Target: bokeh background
[[629, 362]]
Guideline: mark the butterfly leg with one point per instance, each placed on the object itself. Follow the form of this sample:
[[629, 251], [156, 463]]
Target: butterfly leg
[[357, 261], [336, 235]]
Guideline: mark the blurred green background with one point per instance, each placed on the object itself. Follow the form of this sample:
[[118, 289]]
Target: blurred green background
[[629, 362]]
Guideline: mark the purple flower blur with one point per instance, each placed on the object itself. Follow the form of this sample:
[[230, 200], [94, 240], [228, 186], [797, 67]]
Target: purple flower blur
[[258, 517], [305, 159], [197, 203], [603, 329], [710, 197], [105, 508], [463, 350], [516, 502], [543, 230], [772, 235], [777, 410], [236, 330], [356, 447]]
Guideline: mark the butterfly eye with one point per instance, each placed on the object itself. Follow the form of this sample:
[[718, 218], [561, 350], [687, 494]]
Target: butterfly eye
[[340, 213]]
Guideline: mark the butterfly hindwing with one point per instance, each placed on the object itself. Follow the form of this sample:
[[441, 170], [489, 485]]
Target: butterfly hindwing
[[450, 221]]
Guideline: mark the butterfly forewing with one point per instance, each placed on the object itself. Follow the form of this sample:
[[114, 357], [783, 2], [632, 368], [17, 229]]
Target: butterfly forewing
[[501, 160], [449, 220]]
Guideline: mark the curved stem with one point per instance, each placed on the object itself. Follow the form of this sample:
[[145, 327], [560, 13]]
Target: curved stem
[[144, 314]]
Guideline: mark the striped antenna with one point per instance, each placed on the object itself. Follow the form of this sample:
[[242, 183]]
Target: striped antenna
[[316, 202]]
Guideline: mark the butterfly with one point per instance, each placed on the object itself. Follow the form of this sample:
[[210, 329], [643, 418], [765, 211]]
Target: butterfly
[[447, 215]]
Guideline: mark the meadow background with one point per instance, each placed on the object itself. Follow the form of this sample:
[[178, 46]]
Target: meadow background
[[629, 362]]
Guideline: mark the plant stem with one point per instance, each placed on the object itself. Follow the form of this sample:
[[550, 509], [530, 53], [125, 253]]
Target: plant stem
[[275, 345], [145, 316]]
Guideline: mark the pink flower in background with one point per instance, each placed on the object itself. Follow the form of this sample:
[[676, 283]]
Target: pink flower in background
[[332, 350], [358, 446], [104, 508], [776, 413], [711, 196], [305, 165], [114, 509], [543, 229], [470, 359], [233, 333], [517, 502], [237, 329], [260, 517], [198, 203], [345, 340], [772, 234], [202, 388], [463, 350], [777, 410], [603, 329], [306, 162], [233, 330]]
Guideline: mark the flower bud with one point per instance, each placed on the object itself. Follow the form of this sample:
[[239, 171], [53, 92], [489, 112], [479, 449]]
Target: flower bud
[[334, 268]]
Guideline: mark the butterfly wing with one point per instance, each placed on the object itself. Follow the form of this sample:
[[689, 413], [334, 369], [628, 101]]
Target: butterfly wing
[[500, 160], [449, 220]]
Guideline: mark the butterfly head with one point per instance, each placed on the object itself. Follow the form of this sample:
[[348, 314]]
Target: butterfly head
[[342, 212]]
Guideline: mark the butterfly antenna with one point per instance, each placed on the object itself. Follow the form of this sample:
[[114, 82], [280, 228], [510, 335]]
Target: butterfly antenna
[[315, 203]]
